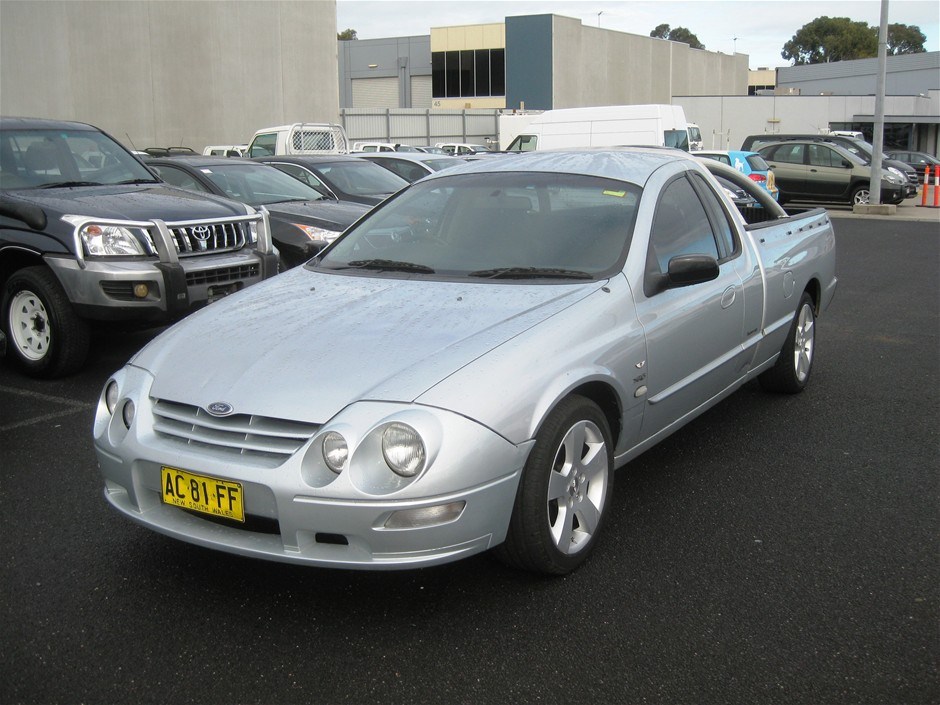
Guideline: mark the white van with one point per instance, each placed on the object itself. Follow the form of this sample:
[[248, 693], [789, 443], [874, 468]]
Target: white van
[[607, 126], [383, 147], [299, 138], [695, 137]]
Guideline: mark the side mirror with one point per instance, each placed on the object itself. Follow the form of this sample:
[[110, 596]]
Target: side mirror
[[846, 164], [686, 270]]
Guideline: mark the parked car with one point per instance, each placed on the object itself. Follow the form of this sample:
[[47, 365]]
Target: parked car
[[88, 235], [412, 166], [342, 177], [825, 172], [858, 147], [303, 221], [918, 161], [501, 336], [383, 147], [427, 149], [462, 149], [225, 150], [299, 138], [751, 164]]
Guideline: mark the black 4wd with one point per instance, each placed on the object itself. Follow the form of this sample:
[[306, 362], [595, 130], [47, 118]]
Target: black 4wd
[[89, 234]]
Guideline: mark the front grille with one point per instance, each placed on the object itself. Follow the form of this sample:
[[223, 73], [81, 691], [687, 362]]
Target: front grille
[[219, 237], [258, 440], [223, 274]]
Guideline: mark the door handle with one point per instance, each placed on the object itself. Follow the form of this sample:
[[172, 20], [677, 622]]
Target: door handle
[[727, 298]]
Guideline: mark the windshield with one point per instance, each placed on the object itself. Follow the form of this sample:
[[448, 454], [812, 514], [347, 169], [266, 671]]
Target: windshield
[[50, 158], [359, 177], [515, 225], [259, 184]]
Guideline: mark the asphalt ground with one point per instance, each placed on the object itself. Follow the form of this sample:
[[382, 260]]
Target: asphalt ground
[[776, 550]]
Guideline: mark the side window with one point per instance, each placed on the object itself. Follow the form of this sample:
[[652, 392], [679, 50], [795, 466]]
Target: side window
[[680, 227], [789, 154], [263, 145], [178, 177], [298, 172], [820, 155], [726, 232]]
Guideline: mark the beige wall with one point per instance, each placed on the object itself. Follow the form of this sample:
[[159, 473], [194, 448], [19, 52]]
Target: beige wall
[[470, 36], [165, 73], [594, 66]]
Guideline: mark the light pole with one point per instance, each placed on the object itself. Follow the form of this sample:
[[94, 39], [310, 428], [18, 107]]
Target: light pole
[[599, 18]]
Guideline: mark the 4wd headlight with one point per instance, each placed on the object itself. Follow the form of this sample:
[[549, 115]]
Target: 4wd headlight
[[403, 449], [315, 233], [897, 172], [109, 240]]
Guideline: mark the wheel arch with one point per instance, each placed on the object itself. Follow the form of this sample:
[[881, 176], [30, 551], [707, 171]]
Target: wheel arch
[[14, 258], [601, 392]]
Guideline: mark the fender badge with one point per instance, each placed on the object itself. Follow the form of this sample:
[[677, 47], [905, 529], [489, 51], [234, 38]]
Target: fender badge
[[220, 408]]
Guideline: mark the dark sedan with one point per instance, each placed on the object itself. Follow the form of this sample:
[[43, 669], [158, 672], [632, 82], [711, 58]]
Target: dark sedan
[[412, 166], [919, 161], [345, 178], [303, 220]]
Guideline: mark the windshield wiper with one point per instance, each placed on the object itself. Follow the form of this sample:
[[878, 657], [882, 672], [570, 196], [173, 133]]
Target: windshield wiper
[[530, 273], [388, 265], [69, 184], [136, 181]]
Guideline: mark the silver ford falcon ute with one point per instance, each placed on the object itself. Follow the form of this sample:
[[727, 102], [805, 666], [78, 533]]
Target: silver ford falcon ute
[[466, 366]]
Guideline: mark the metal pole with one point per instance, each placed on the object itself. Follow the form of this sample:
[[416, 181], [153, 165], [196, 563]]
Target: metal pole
[[879, 137]]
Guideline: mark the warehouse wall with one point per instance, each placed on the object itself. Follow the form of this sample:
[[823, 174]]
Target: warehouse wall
[[167, 73], [634, 69]]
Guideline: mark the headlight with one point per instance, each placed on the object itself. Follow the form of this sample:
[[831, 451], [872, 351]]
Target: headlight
[[403, 449], [335, 451], [891, 178], [128, 413], [897, 172], [109, 240], [315, 233], [111, 396]]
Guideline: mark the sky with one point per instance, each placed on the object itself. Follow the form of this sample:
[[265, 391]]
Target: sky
[[758, 29]]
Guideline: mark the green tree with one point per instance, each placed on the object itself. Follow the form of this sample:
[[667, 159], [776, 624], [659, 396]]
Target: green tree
[[828, 39], [905, 39], [347, 34], [679, 34]]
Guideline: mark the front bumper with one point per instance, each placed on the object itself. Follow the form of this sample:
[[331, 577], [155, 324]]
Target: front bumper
[[295, 515]]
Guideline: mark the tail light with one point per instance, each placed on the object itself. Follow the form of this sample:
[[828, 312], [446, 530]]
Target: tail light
[[759, 178]]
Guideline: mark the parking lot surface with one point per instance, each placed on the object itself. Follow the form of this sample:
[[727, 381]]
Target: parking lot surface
[[776, 550]]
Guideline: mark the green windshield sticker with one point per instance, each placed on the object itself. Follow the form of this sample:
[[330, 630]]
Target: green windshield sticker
[[618, 194]]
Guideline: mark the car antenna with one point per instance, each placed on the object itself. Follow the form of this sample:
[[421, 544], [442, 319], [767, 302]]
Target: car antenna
[[133, 146]]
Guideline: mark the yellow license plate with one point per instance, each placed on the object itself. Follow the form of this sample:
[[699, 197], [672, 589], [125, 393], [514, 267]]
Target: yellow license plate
[[200, 493]]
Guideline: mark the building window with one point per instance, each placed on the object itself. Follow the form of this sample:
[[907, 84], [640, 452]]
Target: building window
[[476, 73]]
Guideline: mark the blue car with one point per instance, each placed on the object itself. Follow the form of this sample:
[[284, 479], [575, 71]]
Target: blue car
[[749, 163]]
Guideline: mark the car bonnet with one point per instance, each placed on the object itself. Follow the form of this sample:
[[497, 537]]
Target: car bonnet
[[304, 345]]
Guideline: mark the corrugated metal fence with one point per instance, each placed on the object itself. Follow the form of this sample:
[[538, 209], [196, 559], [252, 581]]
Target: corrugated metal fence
[[419, 126]]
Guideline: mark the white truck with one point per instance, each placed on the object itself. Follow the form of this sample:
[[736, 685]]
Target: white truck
[[299, 138], [605, 126]]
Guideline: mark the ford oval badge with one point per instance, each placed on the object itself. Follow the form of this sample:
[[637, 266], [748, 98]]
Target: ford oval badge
[[220, 408]]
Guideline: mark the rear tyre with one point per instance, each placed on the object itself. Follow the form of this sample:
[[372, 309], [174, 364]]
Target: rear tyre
[[791, 372], [564, 491], [45, 337]]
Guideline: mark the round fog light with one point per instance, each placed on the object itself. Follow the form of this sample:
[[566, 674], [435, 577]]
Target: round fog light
[[141, 291]]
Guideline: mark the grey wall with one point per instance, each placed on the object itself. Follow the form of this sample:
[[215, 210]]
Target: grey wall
[[398, 57], [910, 74], [592, 66], [161, 73]]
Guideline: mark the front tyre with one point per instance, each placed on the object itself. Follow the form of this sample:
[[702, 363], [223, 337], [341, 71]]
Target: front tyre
[[45, 336], [861, 196], [564, 491], [791, 372]]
